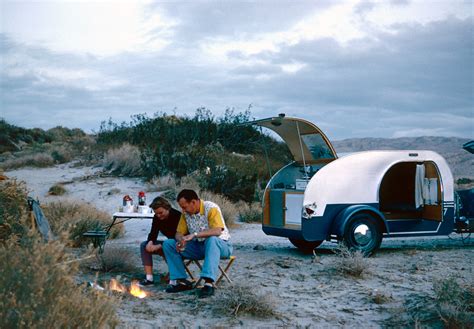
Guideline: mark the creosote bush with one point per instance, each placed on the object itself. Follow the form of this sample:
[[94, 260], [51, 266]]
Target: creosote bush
[[39, 291], [450, 306], [115, 259], [250, 213], [76, 219], [242, 300], [30, 160], [454, 302], [13, 209], [123, 161], [352, 263], [57, 189]]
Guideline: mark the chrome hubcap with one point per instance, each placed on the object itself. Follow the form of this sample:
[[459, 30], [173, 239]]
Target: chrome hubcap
[[362, 235]]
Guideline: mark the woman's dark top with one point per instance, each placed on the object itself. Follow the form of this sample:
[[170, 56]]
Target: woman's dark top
[[166, 226]]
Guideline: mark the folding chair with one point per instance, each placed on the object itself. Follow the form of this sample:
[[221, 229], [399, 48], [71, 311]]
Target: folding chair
[[224, 271]]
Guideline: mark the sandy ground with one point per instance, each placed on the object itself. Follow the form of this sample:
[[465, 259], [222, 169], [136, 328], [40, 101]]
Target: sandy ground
[[305, 291]]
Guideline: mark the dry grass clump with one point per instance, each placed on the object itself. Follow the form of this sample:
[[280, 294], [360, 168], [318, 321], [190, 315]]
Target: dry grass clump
[[115, 259], [239, 300], [452, 306], [57, 189], [123, 161], [167, 182], [29, 160], [454, 303], [352, 263], [13, 209], [250, 213], [228, 208], [39, 292], [380, 297], [76, 219]]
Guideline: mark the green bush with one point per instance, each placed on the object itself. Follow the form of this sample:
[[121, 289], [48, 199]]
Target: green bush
[[38, 291], [182, 146]]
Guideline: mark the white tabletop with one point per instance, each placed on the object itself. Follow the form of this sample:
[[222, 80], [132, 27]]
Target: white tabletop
[[133, 215]]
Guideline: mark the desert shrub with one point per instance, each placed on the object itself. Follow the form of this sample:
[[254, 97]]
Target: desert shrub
[[181, 146], [38, 292], [228, 208], [61, 154], [29, 160], [464, 180], [123, 161], [76, 219], [242, 300], [250, 213], [454, 302], [57, 189], [11, 137], [352, 263], [380, 297], [115, 259], [13, 209], [450, 306]]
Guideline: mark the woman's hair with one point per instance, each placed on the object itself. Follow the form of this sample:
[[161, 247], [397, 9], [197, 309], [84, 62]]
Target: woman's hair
[[160, 202]]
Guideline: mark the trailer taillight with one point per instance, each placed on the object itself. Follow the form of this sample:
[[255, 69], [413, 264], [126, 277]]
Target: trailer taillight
[[309, 210]]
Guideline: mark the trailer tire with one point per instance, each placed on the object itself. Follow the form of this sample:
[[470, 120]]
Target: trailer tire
[[304, 246], [363, 233]]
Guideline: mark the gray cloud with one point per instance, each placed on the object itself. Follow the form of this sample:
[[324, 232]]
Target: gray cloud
[[417, 81]]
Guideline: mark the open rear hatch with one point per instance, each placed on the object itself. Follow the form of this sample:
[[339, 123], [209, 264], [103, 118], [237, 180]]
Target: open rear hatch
[[306, 142], [283, 199]]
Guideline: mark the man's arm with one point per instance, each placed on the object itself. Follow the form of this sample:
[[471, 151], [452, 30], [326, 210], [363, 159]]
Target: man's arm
[[203, 234]]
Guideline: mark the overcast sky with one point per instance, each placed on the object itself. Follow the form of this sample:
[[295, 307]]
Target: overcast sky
[[354, 68]]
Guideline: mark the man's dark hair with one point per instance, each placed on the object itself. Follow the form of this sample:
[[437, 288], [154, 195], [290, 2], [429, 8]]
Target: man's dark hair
[[188, 195], [160, 202]]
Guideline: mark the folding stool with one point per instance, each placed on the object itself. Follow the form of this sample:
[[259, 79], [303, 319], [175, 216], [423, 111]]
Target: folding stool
[[224, 271]]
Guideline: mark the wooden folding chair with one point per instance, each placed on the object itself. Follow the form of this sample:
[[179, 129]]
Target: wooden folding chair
[[224, 271]]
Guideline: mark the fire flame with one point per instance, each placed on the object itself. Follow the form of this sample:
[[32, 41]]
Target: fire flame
[[136, 291], [116, 286]]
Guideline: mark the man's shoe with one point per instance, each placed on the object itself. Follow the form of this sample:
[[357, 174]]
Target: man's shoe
[[145, 282], [181, 286], [206, 291]]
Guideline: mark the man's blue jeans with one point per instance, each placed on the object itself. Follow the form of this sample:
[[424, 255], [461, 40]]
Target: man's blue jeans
[[211, 250]]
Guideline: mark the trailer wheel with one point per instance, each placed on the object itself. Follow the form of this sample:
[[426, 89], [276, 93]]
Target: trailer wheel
[[304, 246], [362, 233]]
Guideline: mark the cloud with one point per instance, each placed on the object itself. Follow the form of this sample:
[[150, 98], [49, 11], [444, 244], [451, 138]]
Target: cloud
[[397, 78], [101, 28]]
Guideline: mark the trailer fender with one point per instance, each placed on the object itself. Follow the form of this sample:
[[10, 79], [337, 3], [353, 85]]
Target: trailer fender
[[341, 219]]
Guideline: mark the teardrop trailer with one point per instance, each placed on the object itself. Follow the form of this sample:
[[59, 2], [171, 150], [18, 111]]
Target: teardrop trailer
[[359, 198]]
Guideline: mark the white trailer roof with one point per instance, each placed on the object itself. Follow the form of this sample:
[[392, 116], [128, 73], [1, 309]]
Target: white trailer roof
[[356, 178]]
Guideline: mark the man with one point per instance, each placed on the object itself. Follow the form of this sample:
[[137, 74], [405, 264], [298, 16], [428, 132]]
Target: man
[[201, 233], [165, 221]]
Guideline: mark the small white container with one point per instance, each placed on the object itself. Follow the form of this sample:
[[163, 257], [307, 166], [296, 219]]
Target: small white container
[[128, 208], [143, 209]]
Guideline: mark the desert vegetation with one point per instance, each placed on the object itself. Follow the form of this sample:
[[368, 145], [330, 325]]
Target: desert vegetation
[[74, 219], [37, 282]]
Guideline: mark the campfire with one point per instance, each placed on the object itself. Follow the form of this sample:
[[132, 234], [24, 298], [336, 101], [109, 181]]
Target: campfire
[[134, 289]]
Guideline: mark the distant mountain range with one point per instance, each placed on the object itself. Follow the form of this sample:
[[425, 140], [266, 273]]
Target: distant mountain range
[[460, 161]]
